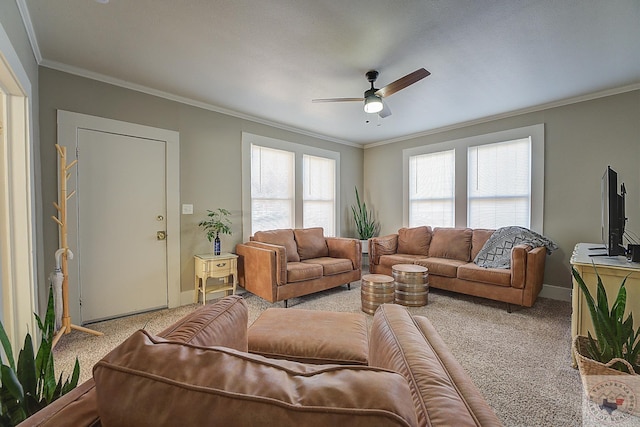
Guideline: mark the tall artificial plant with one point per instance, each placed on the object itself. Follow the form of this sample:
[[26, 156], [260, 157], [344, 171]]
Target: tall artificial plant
[[366, 226], [615, 336], [31, 384]]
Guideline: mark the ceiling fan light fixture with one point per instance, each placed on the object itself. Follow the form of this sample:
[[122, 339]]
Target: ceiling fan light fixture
[[372, 104]]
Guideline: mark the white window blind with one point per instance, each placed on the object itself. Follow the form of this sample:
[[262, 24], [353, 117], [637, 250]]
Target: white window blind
[[431, 189], [499, 184], [272, 188], [319, 189]]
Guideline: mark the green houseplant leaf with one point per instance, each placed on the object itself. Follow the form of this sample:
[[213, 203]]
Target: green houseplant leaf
[[366, 226], [32, 385], [614, 334], [217, 222]]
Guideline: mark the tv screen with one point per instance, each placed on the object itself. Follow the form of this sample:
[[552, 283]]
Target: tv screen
[[613, 215]]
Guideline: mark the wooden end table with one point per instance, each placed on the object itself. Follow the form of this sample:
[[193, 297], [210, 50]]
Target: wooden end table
[[208, 266]]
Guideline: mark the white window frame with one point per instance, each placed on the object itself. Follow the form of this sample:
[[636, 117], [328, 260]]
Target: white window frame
[[299, 150], [535, 132]]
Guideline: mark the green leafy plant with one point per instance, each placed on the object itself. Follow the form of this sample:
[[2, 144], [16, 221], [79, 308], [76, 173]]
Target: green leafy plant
[[31, 385], [366, 226], [217, 223], [615, 336]]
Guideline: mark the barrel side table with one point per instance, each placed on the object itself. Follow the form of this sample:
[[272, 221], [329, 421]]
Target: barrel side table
[[411, 284], [375, 290]]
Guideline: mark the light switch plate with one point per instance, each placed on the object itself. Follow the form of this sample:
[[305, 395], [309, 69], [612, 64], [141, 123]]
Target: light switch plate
[[187, 209]]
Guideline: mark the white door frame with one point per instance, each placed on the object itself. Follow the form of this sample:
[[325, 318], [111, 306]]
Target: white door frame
[[17, 191], [68, 124]]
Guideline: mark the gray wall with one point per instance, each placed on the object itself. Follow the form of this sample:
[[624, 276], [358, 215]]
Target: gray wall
[[210, 155], [581, 139]]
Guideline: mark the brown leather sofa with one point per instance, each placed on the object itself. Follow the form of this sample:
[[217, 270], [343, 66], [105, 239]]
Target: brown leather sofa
[[448, 253], [198, 372], [280, 264]]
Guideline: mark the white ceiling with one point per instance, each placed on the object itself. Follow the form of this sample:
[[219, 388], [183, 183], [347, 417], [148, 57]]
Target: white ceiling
[[266, 60]]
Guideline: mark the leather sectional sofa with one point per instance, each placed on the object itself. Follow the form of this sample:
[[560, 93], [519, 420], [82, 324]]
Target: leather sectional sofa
[[448, 253], [280, 264], [198, 372]]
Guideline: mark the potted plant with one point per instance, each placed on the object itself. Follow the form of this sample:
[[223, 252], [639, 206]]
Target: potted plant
[[366, 226], [31, 384], [217, 223], [616, 346]]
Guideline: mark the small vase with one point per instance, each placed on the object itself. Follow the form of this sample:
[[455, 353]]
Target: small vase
[[216, 245]]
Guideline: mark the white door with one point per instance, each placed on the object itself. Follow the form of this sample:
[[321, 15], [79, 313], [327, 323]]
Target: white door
[[122, 250]]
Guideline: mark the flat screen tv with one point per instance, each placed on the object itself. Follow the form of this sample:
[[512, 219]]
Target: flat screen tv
[[613, 215]]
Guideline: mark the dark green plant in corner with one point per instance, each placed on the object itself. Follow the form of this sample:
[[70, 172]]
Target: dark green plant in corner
[[366, 226], [217, 223], [31, 385], [615, 337]]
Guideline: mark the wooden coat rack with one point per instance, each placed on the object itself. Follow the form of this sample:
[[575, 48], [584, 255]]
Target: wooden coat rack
[[61, 220]]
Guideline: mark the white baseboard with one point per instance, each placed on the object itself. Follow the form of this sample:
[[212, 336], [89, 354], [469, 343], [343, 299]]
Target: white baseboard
[[556, 292]]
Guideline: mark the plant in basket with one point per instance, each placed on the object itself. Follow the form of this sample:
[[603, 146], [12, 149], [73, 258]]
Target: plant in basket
[[616, 343]]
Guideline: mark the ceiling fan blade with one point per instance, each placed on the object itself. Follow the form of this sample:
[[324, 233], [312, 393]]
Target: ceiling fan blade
[[403, 82], [337, 100], [385, 112]]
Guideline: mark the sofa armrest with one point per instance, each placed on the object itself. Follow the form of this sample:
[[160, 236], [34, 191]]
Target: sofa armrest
[[78, 408], [385, 245], [443, 393], [534, 278], [519, 265], [258, 270], [342, 247], [223, 323]]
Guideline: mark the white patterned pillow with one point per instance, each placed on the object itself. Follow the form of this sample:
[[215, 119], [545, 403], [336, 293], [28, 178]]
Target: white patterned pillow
[[496, 252]]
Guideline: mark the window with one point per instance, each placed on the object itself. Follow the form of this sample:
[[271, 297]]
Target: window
[[319, 200], [272, 183], [499, 188], [485, 181], [431, 189], [288, 185]]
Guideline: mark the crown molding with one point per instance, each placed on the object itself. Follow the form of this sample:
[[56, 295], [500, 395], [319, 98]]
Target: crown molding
[[28, 26], [184, 100], [554, 104]]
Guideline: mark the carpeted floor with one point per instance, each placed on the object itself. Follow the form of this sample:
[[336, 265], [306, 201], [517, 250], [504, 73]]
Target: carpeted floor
[[519, 361]]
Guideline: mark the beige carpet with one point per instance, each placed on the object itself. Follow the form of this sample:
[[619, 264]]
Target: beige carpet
[[519, 361]]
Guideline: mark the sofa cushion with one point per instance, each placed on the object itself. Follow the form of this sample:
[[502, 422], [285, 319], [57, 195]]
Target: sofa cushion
[[331, 266], [147, 381], [493, 276], [391, 260], [311, 242], [283, 237], [414, 241], [310, 336], [441, 266], [301, 271], [480, 237], [451, 243]]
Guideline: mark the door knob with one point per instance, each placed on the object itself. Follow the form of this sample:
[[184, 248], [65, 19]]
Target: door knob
[[161, 235]]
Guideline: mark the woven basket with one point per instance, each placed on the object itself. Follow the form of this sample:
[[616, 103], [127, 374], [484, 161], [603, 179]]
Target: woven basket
[[589, 366], [593, 373]]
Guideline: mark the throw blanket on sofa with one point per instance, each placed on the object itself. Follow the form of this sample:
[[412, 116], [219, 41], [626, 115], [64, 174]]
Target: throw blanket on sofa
[[496, 252]]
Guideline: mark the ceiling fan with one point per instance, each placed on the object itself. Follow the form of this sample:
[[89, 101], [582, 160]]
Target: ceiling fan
[[373, 97]]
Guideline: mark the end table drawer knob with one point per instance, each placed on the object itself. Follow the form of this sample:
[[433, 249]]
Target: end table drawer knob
[[222, 264]]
